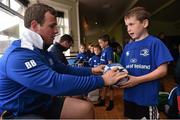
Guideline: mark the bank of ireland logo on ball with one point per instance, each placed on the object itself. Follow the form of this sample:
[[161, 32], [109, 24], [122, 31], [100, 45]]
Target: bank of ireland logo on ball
[[120, 68]]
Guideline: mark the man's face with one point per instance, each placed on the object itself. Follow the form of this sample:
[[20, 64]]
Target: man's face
[[48, 30], [135, 28]]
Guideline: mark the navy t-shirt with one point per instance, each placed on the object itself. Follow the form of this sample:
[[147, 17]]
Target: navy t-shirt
[[106, 55], [140, 58], [94, 61]]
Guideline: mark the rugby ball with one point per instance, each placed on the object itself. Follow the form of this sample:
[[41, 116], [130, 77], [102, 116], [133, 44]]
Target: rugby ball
[[120, 68]]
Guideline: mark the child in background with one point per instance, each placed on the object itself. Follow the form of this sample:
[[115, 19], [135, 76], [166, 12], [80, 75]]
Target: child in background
[[117, 53], [91, 50], [146, 58], [95, 60], [83, 57], [106, 58]]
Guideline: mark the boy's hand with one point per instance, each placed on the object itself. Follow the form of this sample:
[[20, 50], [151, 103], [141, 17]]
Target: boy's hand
[[133, 81], [98, 70], [113, 76]]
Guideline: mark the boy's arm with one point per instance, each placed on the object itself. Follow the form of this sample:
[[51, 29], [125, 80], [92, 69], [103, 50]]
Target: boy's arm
[[161, 71]]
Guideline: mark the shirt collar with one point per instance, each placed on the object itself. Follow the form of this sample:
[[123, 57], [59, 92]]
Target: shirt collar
[[31, 39]]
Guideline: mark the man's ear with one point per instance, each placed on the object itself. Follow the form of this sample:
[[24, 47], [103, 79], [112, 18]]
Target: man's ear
[[146, 23], [34, 25]]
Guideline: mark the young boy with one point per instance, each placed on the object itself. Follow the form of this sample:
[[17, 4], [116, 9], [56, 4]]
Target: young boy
[[90, 50], [106, 58], [95, 60], [83, 56], [146, 59]]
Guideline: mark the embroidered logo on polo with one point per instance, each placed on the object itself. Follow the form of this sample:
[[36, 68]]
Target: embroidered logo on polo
[[133, 60], [103, 54], [144, 52], [127, 53]]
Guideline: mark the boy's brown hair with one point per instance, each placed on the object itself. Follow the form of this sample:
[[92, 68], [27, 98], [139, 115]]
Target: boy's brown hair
[[97, 46], [139, 12], [67, 38], [83, 44], [105, 38]]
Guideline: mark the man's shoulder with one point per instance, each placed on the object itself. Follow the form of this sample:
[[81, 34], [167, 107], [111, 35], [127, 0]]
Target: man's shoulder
[[23, 53], [15, 49], [55, 47], [16, 56]]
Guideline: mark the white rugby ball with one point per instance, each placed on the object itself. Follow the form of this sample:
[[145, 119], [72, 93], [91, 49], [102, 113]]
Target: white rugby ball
[[120, 68]]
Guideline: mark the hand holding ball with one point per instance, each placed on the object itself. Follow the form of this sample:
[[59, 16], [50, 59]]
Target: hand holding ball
[[120, 68]]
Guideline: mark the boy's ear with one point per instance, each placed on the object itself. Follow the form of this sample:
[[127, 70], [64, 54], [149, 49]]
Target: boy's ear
[[146, 23], [106, 42]]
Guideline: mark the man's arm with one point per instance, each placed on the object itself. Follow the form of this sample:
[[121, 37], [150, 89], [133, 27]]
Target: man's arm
[[30, 71], [83, 71]]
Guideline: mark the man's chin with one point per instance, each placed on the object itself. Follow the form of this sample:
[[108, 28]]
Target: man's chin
[[46, 46]]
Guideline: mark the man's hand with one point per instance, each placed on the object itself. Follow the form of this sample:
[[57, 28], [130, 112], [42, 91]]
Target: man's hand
[[113, 76], [98, 70]]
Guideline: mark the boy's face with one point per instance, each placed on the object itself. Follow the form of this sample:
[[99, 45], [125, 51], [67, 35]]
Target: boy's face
[[91, 49], [97, 51], [136, 29], [66, 44], [82, 49], [102, 44]]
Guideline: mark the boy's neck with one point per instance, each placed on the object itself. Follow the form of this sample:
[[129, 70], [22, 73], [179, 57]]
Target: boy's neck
[[106, 46], [142, 37]]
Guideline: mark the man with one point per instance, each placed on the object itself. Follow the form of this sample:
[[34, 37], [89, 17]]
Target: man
[[30, 76], [59, 47]]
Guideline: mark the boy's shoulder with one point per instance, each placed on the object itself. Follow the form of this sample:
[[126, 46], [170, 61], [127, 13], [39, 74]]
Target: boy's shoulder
[[155, 40], [148, 39], [96, 56], [153, 37], [108, 49]]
